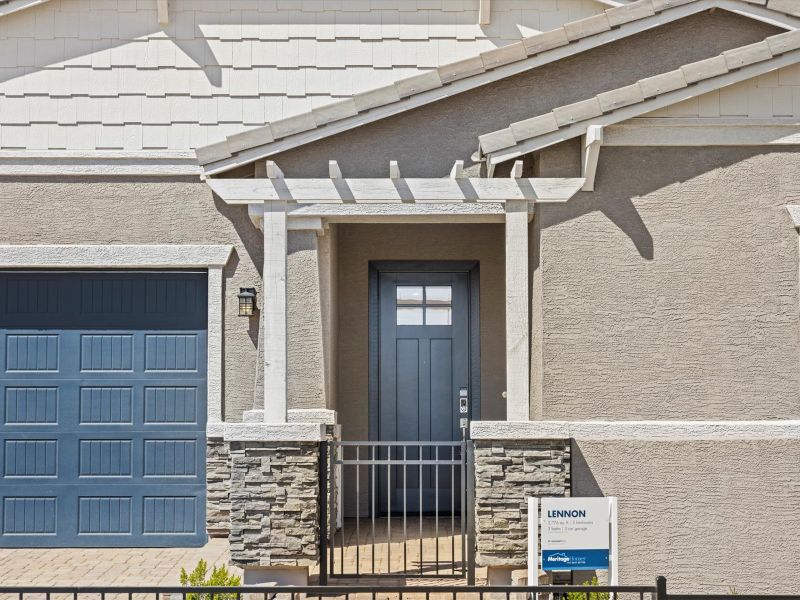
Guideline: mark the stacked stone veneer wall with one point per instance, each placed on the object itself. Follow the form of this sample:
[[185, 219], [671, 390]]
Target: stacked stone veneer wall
[[218, 481], [274, 503], [507, 472]]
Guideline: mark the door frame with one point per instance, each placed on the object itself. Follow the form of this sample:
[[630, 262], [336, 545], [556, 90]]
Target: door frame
[[472, 268]]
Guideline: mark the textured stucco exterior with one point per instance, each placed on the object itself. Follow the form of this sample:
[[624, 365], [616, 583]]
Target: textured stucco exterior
[[427, 140], [709, 514], [311, 318], [670, 292]]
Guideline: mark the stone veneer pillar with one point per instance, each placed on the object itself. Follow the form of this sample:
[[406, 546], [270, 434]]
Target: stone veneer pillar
[[218, 482], [507, 472], [274, 500]]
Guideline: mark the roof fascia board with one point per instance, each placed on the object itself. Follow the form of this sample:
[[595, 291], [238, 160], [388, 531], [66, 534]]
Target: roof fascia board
[[676, 131], [625, 30], [18, 5], [760, 13], [635, 110]]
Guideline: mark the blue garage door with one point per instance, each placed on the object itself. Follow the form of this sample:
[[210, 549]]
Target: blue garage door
[[103, 395]]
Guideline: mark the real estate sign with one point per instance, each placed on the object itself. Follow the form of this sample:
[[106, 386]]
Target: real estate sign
[[576, 533]]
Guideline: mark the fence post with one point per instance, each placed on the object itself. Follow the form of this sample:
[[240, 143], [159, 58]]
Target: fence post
[[661, 588], [323, 512]]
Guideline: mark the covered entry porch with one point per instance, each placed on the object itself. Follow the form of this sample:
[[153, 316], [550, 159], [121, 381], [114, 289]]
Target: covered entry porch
[[324, 237], [392, 309]]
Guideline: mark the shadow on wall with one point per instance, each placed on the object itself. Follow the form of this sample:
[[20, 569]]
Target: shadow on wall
[[583, 483], [617, 192]]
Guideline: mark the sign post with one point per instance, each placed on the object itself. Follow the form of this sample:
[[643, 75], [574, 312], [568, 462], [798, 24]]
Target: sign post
[[577, 534]]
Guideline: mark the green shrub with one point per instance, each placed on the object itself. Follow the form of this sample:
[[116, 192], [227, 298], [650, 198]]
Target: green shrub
[[589, 595], [220, 577]]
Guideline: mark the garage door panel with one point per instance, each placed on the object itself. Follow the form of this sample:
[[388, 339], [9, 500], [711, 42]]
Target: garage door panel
[[30, 405], [103, 409], [32, 352]]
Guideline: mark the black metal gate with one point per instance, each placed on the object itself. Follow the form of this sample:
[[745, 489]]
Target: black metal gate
[[397, 509]]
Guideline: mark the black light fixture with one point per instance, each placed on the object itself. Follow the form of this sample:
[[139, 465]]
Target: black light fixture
[[247, 302]]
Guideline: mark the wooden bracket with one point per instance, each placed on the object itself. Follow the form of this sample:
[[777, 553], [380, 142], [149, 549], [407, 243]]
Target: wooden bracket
[[273, 170], [590, 150]]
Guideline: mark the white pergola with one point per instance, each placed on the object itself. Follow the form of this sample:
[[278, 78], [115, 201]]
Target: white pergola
[[278, 204]]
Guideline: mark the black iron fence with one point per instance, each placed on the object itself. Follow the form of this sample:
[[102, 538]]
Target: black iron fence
[[376, 592], [373, 592], [406, 510]]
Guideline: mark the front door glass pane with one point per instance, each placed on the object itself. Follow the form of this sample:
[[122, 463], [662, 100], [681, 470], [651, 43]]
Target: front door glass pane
[[438, 294], [438, 315], [409, 294], [409, 315]]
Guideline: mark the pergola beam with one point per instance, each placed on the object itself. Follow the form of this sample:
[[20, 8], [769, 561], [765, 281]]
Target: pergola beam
[[390, 191], [300, 215]]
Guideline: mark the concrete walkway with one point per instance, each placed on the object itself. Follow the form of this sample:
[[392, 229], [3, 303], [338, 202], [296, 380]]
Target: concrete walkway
[[105, 566]]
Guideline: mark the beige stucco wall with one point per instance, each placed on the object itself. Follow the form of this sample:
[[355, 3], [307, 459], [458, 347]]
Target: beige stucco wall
[[707, 514], [311, 367], [671, 292], [359, 244], [161, 211]]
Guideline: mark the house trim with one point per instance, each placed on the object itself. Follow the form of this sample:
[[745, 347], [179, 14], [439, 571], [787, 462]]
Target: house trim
[[794, 212], [634, 430], [11, 6], [211, 257], [348, 193], [97, 163], [719, 131]]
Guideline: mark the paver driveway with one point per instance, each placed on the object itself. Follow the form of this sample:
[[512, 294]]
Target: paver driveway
[[105, 566]]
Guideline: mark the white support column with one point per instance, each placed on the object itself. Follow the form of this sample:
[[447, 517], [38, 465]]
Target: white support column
[[274, 309], [215, 334], [517, 312]]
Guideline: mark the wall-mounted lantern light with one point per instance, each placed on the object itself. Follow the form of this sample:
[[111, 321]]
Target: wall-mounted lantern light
[[247, 302]]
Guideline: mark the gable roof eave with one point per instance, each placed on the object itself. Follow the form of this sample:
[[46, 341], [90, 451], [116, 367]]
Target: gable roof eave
[[454, 78], [646, 95], [8, 7]]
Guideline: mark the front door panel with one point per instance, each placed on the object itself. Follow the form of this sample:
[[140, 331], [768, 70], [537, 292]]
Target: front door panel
[[423, 363]]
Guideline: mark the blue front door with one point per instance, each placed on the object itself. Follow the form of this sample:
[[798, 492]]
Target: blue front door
[[103, 391], [423, 363]]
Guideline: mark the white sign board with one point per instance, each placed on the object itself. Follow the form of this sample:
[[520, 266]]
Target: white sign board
[[577, 534]]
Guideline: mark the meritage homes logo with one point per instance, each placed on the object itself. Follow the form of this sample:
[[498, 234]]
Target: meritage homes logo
[[558, 557]]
